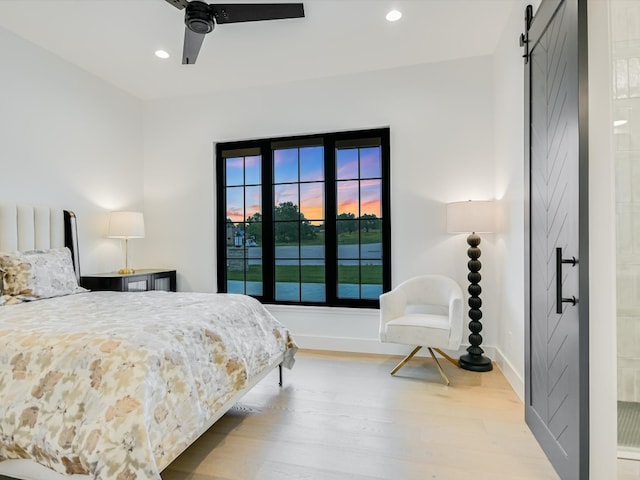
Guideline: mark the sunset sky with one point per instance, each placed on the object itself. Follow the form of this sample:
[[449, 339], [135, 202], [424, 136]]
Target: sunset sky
[[306, 164]]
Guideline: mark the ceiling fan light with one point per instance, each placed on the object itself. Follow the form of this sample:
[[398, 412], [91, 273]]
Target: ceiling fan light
[[394, 16]]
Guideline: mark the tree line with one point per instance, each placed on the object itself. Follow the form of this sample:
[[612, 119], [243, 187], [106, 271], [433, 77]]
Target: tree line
[[292, 225]]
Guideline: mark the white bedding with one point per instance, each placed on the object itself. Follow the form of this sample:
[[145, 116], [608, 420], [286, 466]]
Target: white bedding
[[115, 385]]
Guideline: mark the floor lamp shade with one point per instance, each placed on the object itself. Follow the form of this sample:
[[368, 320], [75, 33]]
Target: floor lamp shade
[[470, 217], [473, 217], [126, 225]]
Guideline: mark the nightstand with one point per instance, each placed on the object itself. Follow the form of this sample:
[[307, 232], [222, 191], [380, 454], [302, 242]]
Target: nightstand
[[140, 281]]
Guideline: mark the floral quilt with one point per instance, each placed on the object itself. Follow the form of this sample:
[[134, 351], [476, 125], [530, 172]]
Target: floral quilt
[[115, 385]]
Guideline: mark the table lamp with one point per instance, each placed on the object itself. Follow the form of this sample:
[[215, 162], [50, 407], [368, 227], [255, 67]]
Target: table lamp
[[126, 225]]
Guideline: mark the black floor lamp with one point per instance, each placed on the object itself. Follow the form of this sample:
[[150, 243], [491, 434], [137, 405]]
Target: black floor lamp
[[473, 217]]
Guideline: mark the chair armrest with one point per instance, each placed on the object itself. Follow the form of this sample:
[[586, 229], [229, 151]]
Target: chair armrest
[[392, 305], [456, 318]]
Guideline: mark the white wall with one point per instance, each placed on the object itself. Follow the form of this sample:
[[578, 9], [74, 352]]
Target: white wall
[[508, 74], [441, 119], [602, 248], [68, 139]]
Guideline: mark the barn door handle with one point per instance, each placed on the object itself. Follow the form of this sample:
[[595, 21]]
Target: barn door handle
[[559, 298]]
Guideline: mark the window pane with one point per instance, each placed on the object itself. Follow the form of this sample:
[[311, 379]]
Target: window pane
[[234, 286], [371, 278], [235, 204], [370, 163], [253, 171], [313, 282], [347, 193], [308, 233], [313, 252], [312, 164], [254, 288], [285, 165], [348, 243], [253, 238], [346, 224], [346, 163], [229, 227], [286, 202], [348, 279], [254, 278], [314, 292], [371, 228], [288, 280], [253, 201], [312, 201], [371, 246], [370, 195], [287, 237], [235, 171], [236, 266]]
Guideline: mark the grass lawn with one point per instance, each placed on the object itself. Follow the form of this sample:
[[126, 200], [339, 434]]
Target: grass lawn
[[374, 236], [371, 274]]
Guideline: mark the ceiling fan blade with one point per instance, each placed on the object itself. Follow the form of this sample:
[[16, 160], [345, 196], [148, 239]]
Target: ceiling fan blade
[[179, 4], [192, 43], [254, 12]]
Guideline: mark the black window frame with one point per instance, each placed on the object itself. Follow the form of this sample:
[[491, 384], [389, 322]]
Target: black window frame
[[329, 141]]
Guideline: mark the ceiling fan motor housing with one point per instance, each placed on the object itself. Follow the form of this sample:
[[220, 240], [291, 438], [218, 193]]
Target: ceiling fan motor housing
[[198, 17]]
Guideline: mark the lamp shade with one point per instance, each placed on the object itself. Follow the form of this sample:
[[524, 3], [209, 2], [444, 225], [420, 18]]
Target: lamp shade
[[470, 216], [126, 225]]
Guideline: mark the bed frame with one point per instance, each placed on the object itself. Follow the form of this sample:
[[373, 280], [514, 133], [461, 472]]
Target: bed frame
[[24, 227]]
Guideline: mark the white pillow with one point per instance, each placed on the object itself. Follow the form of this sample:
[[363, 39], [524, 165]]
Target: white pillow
[[39, 273]]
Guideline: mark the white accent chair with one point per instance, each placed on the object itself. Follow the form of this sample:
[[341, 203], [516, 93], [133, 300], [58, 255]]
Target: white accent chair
[[423, 311]]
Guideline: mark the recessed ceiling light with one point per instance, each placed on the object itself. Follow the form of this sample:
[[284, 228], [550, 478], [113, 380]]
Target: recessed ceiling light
[[162, 54], [394, 15], [619, 123]]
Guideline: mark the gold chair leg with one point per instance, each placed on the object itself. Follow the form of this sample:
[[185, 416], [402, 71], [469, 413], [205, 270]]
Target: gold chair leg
[[444, 377], [405, 360], [448, 357]]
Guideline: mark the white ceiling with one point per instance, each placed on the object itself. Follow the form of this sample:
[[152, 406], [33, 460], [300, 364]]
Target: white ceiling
[[115, 40]]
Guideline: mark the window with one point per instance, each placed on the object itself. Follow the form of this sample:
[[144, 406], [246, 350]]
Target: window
[[305, 220]]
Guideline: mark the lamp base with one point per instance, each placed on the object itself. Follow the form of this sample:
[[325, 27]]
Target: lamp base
[[476, 363], [126, 271]]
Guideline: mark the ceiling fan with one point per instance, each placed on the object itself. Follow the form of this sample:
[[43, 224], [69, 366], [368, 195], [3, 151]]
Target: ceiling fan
[[200, 18]]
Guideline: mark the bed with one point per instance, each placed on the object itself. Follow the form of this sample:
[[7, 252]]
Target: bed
[[113, 385]]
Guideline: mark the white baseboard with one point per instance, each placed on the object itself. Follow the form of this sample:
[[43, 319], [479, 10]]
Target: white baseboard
[[628, 453], [368, 345], [510, 373], [373, 346], [355, 345]]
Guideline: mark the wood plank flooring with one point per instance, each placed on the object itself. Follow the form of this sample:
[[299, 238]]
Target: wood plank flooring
[[628, 469], [342, 416]]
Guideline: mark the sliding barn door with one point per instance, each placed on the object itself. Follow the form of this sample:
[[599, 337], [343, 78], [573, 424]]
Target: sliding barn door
[[557, 361]]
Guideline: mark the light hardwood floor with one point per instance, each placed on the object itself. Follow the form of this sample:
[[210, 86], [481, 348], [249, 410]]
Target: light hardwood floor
[[342, 416], [628, 469]]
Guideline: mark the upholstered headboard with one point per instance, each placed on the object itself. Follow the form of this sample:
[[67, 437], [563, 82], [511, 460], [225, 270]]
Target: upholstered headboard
[[26, 227]]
